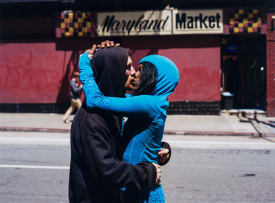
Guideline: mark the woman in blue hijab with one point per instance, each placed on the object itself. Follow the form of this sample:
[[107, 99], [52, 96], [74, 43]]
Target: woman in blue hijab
[[146, 115]]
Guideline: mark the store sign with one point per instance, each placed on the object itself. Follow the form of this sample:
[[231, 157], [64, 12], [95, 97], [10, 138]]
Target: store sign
[[197, 21], [166, 22], [134, 23]]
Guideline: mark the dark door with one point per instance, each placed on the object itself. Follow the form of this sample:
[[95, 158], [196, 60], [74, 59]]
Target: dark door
[[244, 70]]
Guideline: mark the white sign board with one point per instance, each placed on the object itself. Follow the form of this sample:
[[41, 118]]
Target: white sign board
[[197, 21], [134, 23]]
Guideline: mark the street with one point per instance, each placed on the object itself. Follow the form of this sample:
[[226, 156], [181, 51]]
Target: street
[[34, 168]]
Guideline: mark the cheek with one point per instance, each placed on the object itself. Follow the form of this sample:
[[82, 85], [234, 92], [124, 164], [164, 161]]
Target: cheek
[[138, 76]]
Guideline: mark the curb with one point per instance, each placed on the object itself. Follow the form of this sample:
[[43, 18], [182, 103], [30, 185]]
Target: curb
[[203, 132], [167, 132], [27, 129]]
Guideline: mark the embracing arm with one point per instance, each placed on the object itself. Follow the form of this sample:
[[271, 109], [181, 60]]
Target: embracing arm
[[112, 172], [89, 85], [144, 105]]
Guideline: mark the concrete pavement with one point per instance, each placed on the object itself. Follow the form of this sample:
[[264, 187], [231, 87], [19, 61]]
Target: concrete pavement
[[225, 124]]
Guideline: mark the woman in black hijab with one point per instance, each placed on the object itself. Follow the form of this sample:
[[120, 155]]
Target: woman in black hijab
[[96, 172]]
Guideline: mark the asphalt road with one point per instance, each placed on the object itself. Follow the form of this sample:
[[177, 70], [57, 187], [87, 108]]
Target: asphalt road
[[34, 168]]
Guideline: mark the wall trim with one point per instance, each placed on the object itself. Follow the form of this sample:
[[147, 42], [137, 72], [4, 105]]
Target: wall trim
[[34, 108]]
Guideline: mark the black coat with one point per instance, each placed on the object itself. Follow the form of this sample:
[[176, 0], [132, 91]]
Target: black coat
[[96, 172]]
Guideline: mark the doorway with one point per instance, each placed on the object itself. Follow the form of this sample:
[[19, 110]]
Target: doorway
[[243, 70]]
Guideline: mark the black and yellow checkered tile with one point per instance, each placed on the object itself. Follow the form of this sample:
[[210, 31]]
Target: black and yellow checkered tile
[[245, 21], [75, 24]]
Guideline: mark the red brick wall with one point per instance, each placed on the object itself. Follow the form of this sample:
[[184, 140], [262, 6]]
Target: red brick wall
[[270, 53]]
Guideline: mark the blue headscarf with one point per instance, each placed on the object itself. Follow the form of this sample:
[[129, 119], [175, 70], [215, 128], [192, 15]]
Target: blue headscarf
[[167, 74]]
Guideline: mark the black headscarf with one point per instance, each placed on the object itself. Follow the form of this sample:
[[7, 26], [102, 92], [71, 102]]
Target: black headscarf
[[109, 65]]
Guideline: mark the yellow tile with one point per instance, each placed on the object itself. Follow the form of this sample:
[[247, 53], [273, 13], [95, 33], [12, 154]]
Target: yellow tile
[[240, 25], [84, 15], [88, 24], [250, 15], [236, 30], [71, 15], [71, 29], [67, 34], [62, 25], [80, 20], [80, 34], [241, 11], [255, 25], [250, 29], [236, 15], [259, 20], [76, 25], [255, 11]]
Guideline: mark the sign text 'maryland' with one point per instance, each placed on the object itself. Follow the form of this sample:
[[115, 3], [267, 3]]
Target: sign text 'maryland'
[[134, 23]]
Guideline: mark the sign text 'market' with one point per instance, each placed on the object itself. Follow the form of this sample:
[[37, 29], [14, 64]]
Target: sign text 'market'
[[198, 22]]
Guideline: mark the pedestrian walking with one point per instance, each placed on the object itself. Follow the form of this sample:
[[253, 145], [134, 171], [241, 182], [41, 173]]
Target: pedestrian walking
[[75, 90]]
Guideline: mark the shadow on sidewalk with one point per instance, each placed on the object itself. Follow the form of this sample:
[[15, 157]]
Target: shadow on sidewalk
[[255, 118], [243, 117]]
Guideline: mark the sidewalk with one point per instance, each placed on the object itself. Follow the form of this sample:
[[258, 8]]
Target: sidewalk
[[224, 124]]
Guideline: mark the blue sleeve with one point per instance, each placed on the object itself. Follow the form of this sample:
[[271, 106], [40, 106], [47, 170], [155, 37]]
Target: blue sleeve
[[89, 85], [127, 95], [143, 105]]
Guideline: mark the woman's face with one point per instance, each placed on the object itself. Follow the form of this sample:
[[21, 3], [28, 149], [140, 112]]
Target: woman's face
[[137, 77]]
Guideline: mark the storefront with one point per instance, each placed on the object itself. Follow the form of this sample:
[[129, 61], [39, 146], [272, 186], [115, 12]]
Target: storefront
[[216, 51], [190, 38]]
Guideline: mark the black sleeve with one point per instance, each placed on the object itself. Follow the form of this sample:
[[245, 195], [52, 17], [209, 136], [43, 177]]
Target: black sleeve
[[113, 172]]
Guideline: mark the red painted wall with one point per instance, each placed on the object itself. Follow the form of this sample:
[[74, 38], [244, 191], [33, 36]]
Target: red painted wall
[[270, 54], [199, 73], [197, 58], [39, 72], [34, 72]]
